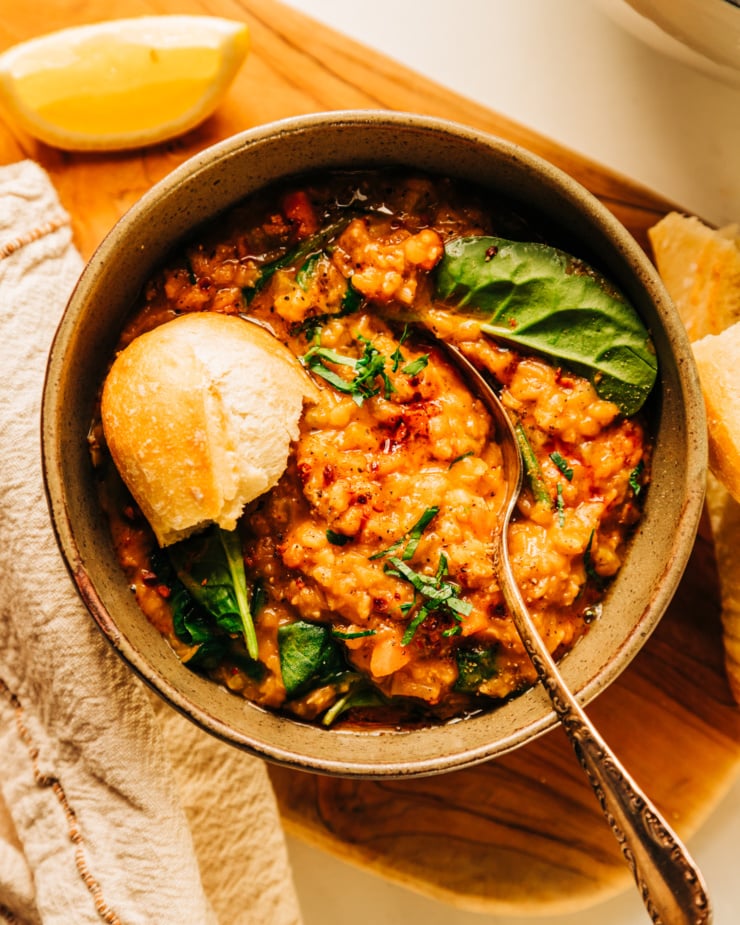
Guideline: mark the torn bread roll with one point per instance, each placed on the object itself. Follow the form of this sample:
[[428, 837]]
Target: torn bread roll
[[199, 414]]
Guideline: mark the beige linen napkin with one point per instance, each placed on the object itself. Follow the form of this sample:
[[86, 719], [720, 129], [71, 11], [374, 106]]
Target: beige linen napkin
[[113, 808]]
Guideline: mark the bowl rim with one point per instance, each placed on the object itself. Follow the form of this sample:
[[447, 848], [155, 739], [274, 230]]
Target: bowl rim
[[61, 515]]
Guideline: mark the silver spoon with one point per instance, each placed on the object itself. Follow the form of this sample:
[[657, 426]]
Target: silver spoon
[[668, 879]]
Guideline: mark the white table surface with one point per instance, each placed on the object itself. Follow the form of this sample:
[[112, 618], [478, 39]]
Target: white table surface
[[570, 72]]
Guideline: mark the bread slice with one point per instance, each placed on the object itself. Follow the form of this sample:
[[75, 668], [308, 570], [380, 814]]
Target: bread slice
[[724, 519], [700, 267], [718, 361], [198, 415]]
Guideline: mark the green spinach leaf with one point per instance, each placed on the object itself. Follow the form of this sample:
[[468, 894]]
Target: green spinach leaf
[[532, 467], [475, 666], [309, 657], [192, 623], [534, 296], [211, 568], [360, 694]]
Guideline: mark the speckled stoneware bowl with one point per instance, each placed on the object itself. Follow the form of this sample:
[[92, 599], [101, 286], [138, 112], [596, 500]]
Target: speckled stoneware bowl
[[211, 182]]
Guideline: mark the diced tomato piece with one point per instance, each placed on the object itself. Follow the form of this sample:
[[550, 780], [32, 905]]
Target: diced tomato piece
[[300, 213]]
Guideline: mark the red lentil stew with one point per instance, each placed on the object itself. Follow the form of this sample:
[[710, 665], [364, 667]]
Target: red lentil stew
[[372, 588]]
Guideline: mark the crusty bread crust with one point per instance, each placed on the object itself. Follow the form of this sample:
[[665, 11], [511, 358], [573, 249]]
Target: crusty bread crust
[[700, 267], [718, 361], [724, 518], [198, 415]]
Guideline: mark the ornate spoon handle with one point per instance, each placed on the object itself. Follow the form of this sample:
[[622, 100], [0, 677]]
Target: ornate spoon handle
[[669, 881]]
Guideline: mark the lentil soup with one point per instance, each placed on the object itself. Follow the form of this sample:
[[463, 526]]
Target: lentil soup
[[372, 582]]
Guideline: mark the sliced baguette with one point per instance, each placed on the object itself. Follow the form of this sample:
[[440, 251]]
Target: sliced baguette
[[724, 518], [700, 267], [718, 361]]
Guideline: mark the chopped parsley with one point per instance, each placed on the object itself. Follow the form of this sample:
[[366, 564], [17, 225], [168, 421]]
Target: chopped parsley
[[437, 594], [397, 357], [562, 465], [366, 369], [461, 456], [352, 634], [635, 479], [432, 593], [411, 537], [415, 366]]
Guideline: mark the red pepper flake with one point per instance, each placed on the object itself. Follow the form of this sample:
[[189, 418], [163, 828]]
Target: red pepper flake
[[491, 252], [299, 211]]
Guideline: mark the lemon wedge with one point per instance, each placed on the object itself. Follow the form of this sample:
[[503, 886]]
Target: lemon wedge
[[123, 83]]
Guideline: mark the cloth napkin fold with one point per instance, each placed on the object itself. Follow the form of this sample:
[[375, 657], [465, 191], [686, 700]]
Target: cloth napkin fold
[[113, 807]]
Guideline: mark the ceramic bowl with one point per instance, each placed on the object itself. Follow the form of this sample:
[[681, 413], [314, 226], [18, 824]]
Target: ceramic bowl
[[211, 182], [704, 34]]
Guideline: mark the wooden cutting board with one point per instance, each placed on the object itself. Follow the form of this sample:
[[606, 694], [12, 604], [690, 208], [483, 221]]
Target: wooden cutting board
[[521, 834]]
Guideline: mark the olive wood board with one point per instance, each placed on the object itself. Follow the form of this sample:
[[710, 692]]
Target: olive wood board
[[521, 834]]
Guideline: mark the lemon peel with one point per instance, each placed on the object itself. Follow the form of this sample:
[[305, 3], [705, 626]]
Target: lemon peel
[[122, 83]]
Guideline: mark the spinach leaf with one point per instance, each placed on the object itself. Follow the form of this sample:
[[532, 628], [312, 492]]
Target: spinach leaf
[[338, 539], [211, 567], [191, 622], [309, 657], [195, 627], [540, 298], [360, 694], [532, 467], [475, 666]]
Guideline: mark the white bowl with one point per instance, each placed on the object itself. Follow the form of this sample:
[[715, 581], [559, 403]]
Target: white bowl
[[702, 33]]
